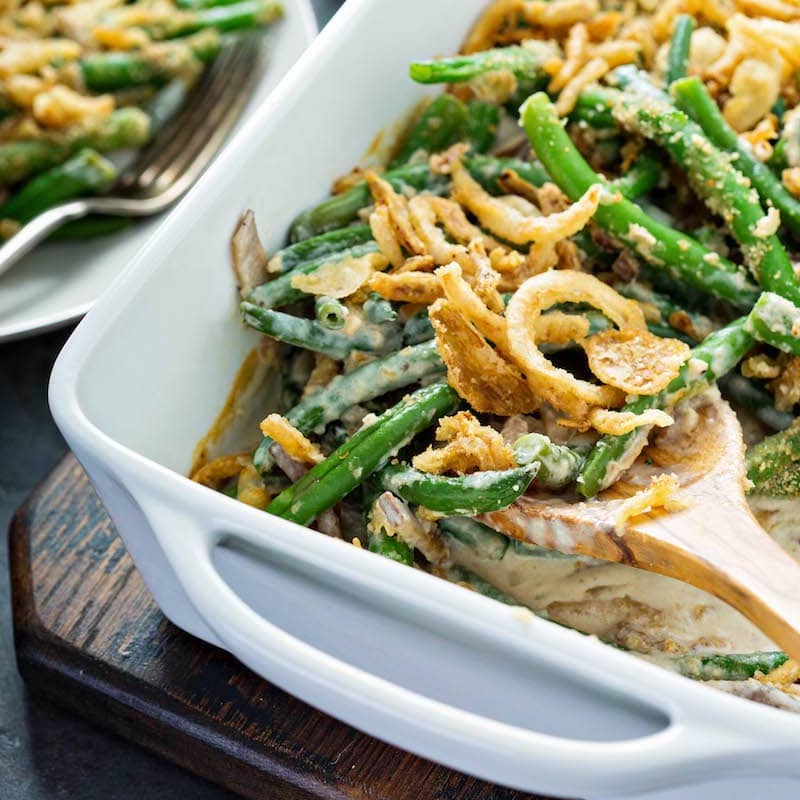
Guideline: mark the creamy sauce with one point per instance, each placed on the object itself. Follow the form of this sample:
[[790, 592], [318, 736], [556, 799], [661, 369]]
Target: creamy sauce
[[640, 610]]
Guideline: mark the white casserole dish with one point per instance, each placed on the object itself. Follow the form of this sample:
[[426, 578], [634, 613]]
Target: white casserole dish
[[57, 283], [416, 661]]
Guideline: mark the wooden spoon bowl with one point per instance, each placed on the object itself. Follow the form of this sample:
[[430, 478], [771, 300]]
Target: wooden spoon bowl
[[713, 542]]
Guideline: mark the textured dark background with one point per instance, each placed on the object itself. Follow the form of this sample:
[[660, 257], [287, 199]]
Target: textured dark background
[[46, 754]]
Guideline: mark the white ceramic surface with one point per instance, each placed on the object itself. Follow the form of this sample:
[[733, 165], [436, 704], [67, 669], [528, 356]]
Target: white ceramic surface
[[416, 661], [59, 281]]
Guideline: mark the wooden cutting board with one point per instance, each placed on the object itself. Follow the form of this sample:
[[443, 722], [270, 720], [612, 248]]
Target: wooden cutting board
[[90, 637]]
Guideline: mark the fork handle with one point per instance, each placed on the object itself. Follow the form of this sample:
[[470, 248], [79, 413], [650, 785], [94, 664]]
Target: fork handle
[[39, 228]]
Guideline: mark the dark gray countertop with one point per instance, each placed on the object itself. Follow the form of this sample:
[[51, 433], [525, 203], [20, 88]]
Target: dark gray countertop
[[44, 753]]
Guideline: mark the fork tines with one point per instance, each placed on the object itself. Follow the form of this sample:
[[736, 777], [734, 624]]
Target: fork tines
[[185, 144]]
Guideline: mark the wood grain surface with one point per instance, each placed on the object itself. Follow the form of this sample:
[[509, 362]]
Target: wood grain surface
[[90, 637]]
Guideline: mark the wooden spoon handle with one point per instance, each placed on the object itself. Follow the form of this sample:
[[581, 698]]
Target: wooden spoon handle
[[728, 554]]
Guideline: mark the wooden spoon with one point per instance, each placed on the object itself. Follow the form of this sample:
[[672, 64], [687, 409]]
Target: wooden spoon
[[713, 543]]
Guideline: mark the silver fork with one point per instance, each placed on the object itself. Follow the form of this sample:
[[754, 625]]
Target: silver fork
[[179, 152]]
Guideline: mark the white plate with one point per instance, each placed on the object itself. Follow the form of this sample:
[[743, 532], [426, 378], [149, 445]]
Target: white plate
[[415, 660], [58, 282]]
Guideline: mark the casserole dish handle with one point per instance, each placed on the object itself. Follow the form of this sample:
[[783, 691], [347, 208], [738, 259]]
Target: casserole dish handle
[[694, 746]]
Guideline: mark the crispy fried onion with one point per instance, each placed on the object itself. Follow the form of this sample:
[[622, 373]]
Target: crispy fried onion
[[412, 283], [468, 303], [511, 20], [636, 361], [513, 218], [340, 278], [555, 327], [250, 488], [542, 255], [562, 390], [415, 264], [383, 233], [397, 207], [215, 472], [407, 287], [481, 274], [296, 445], [618, 423], [470, 447], [659, 494], [428, 212], [478, 373]]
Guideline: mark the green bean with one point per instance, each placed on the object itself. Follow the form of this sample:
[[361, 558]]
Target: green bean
[[477, 493], [776, 321], [728, 666], [558, 465], [228, 17], [378, 310], [365, 452], [488, 170], [642, 177], [491, 545], [695, 325], [726, 191], [677, 254], [326, 244], [773, 465], [330, 312], [477, 584], [720, 351], [379, 541], [418, 328], [439, 125], [778, 161], [311, 335], [692, 96], [280, 292], [123, 128], [391, 547], [87, 172], [759, 401], [524, 61], [664, 331], [196, 4], [24, 157], [594, 109], [480, 126], [678, 55], [483, 541], [158, 63], [342, 209], [370, 380]]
